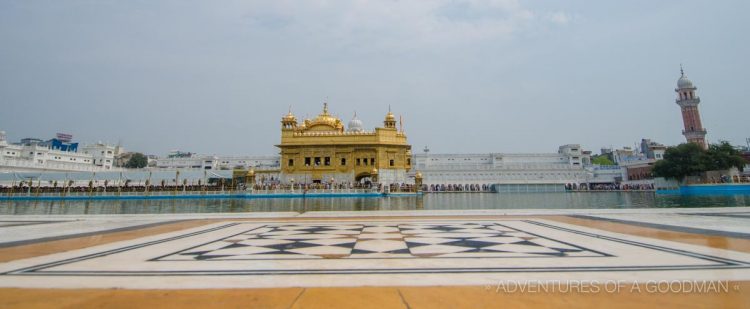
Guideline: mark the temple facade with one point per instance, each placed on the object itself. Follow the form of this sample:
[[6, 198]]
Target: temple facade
[[322, 150]]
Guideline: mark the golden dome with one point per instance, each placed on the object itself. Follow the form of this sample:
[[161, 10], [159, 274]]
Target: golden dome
[[374, 171], [325, 119], [289, 117], [390, 116], [251, 172], [390, 120], [418, 175]]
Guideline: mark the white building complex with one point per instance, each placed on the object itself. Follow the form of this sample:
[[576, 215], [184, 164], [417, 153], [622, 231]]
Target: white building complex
[[565, 166], [57, 154], [500, 172], [504, 171], [187, 160], [507, 172]]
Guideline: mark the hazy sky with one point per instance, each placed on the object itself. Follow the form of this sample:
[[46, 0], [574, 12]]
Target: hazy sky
[[466, 75]]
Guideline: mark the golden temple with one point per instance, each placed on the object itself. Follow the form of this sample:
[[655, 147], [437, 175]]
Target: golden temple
[[321, 150]]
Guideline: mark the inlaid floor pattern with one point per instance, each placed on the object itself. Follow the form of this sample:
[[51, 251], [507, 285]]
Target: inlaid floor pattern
[[405, 240]]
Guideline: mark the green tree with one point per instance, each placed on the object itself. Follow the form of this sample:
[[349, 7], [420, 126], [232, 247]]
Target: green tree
[[723, 156], [681, 161], [602, 160], [689, 159], [137, 160]]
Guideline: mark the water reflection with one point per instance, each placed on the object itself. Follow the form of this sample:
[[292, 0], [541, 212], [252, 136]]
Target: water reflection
[[447, 201]]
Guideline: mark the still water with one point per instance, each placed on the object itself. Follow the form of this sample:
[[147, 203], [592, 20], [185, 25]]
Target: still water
[[443, 201]]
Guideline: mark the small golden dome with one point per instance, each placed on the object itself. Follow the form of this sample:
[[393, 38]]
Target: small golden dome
[[251, 172], [289, 117], [390, 117], [374, 171], [418, 175]]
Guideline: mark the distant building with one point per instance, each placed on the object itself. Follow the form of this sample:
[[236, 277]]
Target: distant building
[[563, 167], [179, 154], [633, 164], [639, 166], [605, 174], [103, 154], [152, 160], [122, 159], [639, 169], [56, 154], [745, 155], [258, 163], [624, 154], [652, 150], [187, 160]]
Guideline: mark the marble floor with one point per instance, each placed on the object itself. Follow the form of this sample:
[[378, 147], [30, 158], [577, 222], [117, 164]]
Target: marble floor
[[376, 252]]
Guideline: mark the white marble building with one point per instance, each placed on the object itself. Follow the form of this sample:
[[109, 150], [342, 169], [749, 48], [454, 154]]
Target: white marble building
[[214, 162], [565, 166], [40, 157], [103, 154]]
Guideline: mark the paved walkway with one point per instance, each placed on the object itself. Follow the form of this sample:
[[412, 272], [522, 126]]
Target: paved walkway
[[412, 259]]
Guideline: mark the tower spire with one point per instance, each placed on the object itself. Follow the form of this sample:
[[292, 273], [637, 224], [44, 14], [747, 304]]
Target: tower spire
[[682, 72]]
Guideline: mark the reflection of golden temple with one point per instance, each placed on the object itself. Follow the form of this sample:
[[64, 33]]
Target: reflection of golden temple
[[321, 148]]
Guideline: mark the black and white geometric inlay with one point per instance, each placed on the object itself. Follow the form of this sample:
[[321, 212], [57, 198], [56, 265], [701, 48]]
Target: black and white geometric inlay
[[406, 240], [275, 249]]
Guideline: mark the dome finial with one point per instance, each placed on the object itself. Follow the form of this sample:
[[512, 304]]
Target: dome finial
[[289, 116], [325, 106], [683, 82]]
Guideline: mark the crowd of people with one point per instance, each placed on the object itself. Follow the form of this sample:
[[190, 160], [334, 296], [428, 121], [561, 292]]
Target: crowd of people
[[395, 187], [226, 186], [102, 189], [608, 187], [273, 186], [314, 186], [457, 188]]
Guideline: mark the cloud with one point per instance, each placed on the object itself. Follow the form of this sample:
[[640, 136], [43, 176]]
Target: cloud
[[560, 18], [397, 25]]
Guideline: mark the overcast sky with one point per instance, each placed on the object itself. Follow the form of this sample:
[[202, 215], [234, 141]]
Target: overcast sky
[[215, 77]]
